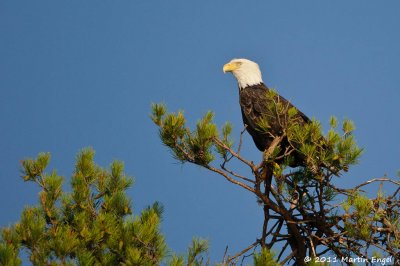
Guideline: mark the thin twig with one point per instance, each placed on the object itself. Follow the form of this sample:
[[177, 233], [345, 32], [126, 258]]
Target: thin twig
[[282, 250], [243, 251], [224, 257], [288, 257], [382, 179], [241, 139], [223, 145], [230, 179], [236, 175]]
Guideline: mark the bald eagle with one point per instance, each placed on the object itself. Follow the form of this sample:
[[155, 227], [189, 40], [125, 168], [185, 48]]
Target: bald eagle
[[254, 106]]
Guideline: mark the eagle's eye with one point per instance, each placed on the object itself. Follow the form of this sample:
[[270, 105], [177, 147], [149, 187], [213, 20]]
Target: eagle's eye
[[237, 64]]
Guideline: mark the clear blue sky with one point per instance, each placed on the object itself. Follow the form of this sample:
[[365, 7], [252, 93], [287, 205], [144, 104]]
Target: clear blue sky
[[84, 73]]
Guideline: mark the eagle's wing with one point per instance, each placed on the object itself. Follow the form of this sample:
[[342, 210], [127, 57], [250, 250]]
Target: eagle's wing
[[253, 103], [302, 117]]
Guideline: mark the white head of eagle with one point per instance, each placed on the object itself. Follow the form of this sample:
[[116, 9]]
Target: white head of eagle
[[246, 72]]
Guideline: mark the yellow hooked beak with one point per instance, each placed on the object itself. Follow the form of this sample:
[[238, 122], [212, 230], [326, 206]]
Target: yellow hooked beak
[[231, 67]]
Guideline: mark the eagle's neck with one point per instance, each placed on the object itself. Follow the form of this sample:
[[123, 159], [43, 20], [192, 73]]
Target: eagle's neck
[[246, 79]]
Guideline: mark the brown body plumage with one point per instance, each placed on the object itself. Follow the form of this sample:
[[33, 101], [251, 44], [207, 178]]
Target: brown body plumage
[[254, 102]]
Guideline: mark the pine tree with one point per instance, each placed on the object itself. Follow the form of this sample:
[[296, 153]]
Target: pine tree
[[196, 254], [91, 225], [305, 214]]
